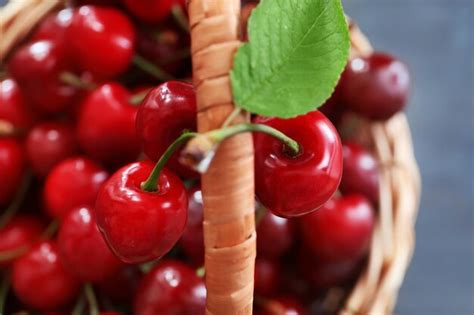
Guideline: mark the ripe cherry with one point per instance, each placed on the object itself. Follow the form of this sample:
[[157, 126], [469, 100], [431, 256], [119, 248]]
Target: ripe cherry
[[72, 183], [12, 168], [141, 226], [341, 230], [54, 26], [165, 113], [150, 11], [267, 277], [170, 288], [13, 107], [49, 143], [121, 288], [40, 280], [192, 240], [283, 305], [112, 137], [376, 87], [360, 173], [82, 248], [292, 186], [275, 236], [101, 40], [19, 233]]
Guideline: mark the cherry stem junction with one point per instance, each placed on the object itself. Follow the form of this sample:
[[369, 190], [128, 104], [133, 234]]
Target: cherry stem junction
[[73, 80], [151, 69], [180, 17], [151, 184], [91, 299], [138, 98]]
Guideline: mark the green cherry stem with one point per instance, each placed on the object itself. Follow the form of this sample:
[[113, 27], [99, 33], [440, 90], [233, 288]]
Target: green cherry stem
[[151, 69], [79, 306], [4, 287], [14, 206], [71, 79], [201, 272], [180, 17], [138, 98], [260, 214], [151, 184], [91, 299]]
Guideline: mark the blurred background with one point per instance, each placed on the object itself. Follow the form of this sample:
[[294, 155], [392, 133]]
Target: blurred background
[[436, 39]]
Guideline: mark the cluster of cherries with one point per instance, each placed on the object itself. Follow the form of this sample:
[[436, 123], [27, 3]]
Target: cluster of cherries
[[81, 128]]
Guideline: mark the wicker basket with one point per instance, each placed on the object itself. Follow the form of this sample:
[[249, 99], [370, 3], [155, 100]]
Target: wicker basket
[[228, 185]]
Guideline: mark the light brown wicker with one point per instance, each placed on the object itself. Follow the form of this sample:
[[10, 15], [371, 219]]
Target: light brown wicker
[[229, 223]]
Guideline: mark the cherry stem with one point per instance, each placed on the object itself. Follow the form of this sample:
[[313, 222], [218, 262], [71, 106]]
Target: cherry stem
[[73, 80], [260, 214], [138, 98], [91, 299], [12, 209], [201, 272], [4, 287], [151, 184], [151, 69], [79, 306], [180, 17]]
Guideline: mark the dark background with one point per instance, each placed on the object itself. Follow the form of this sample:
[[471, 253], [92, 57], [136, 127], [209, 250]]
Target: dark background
[[436, 38]]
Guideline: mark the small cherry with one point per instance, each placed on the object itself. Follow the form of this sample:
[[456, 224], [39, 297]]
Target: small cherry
[[283, 305], [360, 173], [139, 222], [294, 185], [171, 287], [121, 288], [40, 280], [49, 143], [376, 86], [340, 231], [267, 277], [12, 168], [17, 235], [151, 11], [192, 240], [101, 40], [72, 183], [275, 236], [13, 107], [54, 26], [165, 113], [82, 248]]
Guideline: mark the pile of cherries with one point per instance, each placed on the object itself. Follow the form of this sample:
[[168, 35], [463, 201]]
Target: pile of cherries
[[92, 99]]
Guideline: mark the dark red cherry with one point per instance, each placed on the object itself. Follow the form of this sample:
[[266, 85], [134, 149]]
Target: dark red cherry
[[165, 113], [49, 143], [292, 186], [141, 226], [267, 277], [40, 280], [284, 305], [72, 183], [101, 40], [37, 67], [376, 87], [54, 26], [192, 241], [12, 168], [150, 11], [122, 286], [341, 230], [275, 236], [106, 125], [83, 249], [170, 288], [19, 233], [13, 108], [360, 173]]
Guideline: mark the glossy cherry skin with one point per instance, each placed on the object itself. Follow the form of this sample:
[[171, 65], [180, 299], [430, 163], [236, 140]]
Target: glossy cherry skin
[[376, 87], [141, 226], [72, 183], [83, 249], [360, 173], [21, 231], [36, 67], [192, 240], [165, 113], [49, 143], [54, 26], [267, 277], [13, 107], [150, 11], [275, 236], [284, 305], [12, 168], [295, 186], [170, 288], [341, 230], [101, 40], [122, 286], [40, 280], [106, 125]]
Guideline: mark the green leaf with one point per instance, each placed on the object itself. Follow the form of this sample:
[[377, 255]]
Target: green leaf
[[296, 53]]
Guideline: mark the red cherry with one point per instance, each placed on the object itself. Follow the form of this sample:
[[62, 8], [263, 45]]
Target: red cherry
[[37, 67], [72, 183], [293, 186], [192, 241], [141, 226], [101, 40], [165, 113], [122, 287], [341, 230], [49, 143], [54, 26], [170, 288], [12, 168], [376, 87], [41, 281], [13, 108], [361, 172], [284, 305], [267, 277], [324, 275], [275, 236], [20, 232], [106, 125], [83, 249], [150, 10]]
